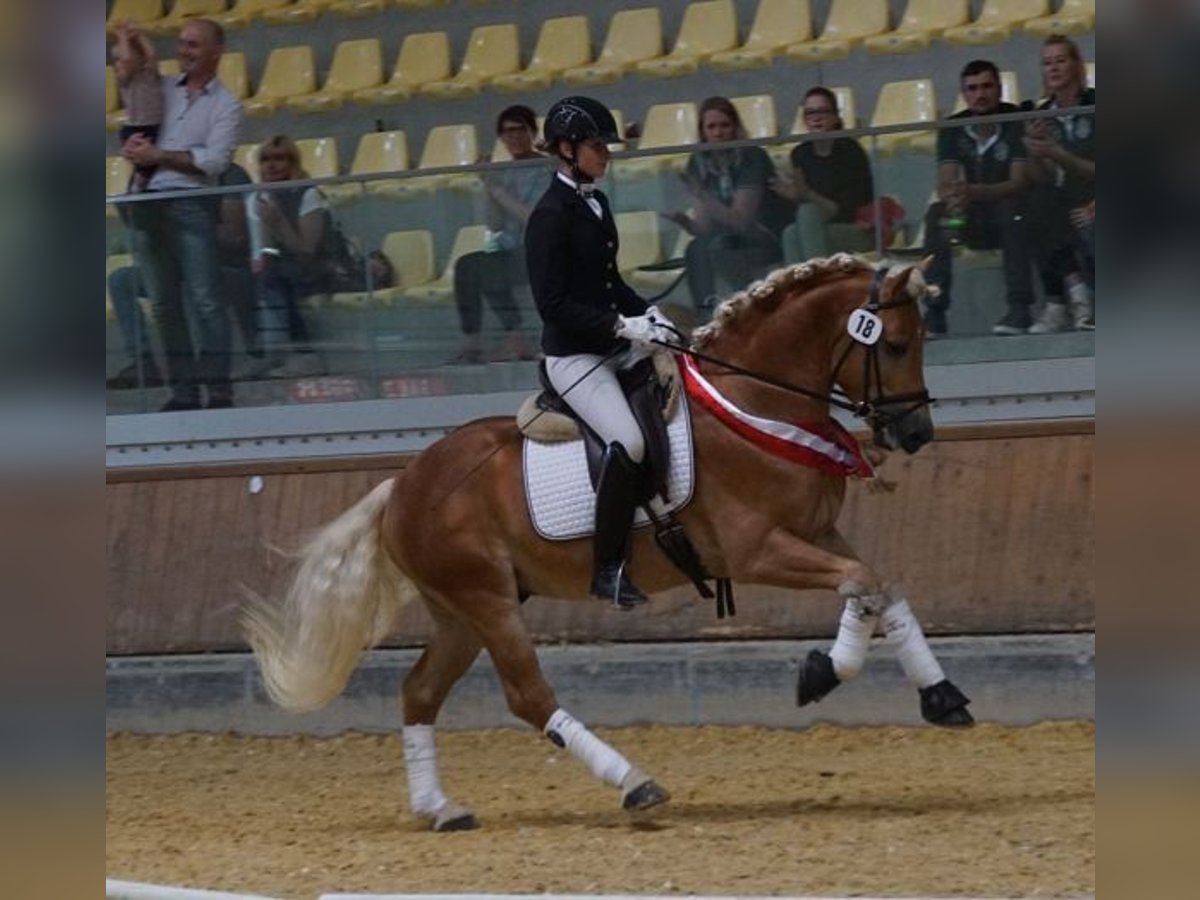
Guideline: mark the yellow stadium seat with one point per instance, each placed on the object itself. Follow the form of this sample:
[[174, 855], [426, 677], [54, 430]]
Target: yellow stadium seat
[[381, 151], [246, 156], [708, 27], [445, 146], [666, 125], [424, 57], [563, 43], [634, 35], [181, 11], [421, 4], [289, 72], [292, 13], [996, 21], [757, 113], [640, 240], [1010, 91], [923, 21], [1091, 74], [357, 8], [411, 256], [246, 11], [113, 113], [357, 65], [319, 156], [137, 11], [170, 66], [117, 170], [901, 102], [777, 24], [232, 72], [1073, 17], [468, 240], [649, 284], [491, 50], [849, 23]]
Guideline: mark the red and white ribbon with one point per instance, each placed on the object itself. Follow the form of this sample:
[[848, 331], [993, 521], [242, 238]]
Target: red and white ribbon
[[822, 445]]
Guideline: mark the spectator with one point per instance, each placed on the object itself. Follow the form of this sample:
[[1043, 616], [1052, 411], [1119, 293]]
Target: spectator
[[175, 241], [136, 66], [289, 234], [734, 237], [126, 287], [1062, 153], [492, 272], [981, 179], [830, 182]]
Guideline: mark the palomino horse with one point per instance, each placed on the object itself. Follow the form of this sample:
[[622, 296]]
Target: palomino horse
[[453, 532]]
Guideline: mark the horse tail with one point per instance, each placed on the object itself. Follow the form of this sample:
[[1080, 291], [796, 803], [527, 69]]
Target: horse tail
[[345, 597]]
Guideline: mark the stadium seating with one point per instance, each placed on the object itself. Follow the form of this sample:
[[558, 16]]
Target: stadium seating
[[666, 125], [289, 72], [996, 21], [293, 13], [411, 256], [634, 36], [650, 284], [445, 146], [757, 113], [357, 65], [117, 170], [441, 289], [233, 74], [319, 156], [424, 58], [923, 21], [563, 43], [244, 12], [1073, 17], [357, 8], [1091, 74], [708, 27], [491, 50], [114, 115], [902, 102], [381, 151], [640, 240], [137, 11], [848, 24], [777, 24], [181, 11], [421, 4]]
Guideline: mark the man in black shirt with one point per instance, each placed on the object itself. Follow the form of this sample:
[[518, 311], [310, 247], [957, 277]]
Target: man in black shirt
[[982, 177]]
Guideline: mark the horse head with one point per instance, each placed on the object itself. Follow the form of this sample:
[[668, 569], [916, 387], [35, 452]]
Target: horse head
[[835, 331]]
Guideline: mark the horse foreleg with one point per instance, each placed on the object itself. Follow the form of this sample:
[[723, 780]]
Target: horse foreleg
[[942, 703], [531, 698], [447, 657]]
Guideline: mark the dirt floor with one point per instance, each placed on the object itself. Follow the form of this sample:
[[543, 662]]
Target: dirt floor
[[827, 811]]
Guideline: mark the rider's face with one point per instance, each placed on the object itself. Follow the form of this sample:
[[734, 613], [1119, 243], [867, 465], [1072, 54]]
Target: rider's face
[[592, 158]]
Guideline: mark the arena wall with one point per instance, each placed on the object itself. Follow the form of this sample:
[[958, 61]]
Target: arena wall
[[990, 529]]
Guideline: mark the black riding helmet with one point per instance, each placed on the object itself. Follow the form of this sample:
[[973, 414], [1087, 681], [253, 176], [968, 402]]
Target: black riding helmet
[[578, 119]]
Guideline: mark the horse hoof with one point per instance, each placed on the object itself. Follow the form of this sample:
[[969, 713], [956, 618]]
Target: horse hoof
[[646, 795], [816, 678], [453, 817], [944, 705]]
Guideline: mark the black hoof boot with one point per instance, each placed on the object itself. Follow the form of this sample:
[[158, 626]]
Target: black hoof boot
[[646, 795], [611, 583], [945, 705], [816, 678]]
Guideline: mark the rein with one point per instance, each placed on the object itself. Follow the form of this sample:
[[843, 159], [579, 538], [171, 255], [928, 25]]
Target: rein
[[870, 408]]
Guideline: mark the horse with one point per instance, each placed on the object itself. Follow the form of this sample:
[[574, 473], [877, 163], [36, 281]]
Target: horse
[[452, 531]]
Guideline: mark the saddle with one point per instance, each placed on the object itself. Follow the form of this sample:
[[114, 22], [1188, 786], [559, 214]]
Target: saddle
[[652, 388]]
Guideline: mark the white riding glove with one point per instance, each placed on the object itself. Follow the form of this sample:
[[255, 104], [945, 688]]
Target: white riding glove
[[642, 331], [657, 316]]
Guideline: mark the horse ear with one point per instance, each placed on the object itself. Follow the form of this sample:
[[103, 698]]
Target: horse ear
[[924, 264]]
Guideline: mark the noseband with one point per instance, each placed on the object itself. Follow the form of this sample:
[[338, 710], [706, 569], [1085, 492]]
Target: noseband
[[873, 408]]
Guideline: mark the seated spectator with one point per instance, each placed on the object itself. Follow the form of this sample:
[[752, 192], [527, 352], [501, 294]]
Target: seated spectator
[[830, 182], [125, 285], [289, 232], [493, 272], [981, 179], [1062, 156], [732, 216]]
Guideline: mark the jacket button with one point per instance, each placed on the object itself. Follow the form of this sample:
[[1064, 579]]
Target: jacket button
[[610, 243], [608, 285], [612, 306]]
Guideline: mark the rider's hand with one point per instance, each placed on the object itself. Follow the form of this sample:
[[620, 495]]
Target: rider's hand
[[642, 331], [658, 317]]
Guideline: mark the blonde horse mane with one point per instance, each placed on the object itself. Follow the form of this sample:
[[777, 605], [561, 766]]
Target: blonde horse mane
[[773, 287]]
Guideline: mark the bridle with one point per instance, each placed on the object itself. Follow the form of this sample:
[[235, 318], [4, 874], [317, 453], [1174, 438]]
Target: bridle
[[877, 407]]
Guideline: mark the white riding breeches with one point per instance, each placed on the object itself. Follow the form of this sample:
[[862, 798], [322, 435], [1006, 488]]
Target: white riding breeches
[[597, 398]]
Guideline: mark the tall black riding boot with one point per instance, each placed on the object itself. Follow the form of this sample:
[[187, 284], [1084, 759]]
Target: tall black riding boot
[[616, 499]]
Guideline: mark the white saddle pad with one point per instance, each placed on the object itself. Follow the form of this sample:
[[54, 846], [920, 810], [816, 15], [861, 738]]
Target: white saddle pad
[[561, 501]]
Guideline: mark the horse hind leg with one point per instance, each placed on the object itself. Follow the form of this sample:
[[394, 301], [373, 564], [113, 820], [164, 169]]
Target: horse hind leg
[[448, 655]]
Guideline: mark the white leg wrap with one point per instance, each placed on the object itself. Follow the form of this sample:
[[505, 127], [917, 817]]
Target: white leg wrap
[[904, 633], [425, 795], [602, 760], [853, 638]]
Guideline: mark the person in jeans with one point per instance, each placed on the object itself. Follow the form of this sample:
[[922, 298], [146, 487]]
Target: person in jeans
[[175, 240], [492, 272], [830, 181], [982, 178]]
